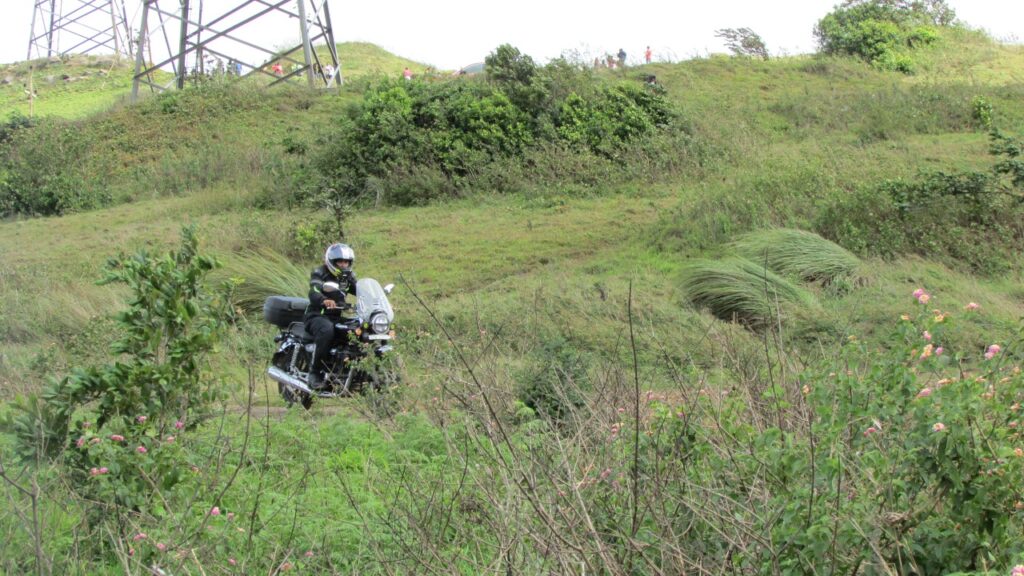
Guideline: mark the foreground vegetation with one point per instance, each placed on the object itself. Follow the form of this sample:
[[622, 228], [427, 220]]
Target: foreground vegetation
[[764, 317]]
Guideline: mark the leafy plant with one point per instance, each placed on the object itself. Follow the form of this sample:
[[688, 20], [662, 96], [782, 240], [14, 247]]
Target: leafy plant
[[169, 329]]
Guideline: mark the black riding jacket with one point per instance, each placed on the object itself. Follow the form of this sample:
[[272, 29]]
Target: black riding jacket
[[346, 280]]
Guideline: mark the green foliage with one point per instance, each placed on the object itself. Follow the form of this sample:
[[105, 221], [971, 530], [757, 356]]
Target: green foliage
[[42, 171], [800, 254], [260, 273], [1011, 164], [168, 331], [963, 219], [738, 290], [881, 32], [555, 384], [410, 142]]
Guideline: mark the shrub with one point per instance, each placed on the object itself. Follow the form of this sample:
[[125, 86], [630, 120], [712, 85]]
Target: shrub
[[168, 331], [42, 171], [411, 142], [880, 31], [553, 386]]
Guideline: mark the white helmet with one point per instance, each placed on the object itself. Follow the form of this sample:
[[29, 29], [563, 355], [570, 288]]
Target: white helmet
[[337, 252]]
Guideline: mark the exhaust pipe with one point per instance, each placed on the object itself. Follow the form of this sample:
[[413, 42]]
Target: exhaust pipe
[[283, 377]]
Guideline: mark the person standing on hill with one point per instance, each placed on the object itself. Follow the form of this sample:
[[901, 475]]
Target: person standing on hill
[[622, 58], [647, 55], [324, 310], [407, 74]]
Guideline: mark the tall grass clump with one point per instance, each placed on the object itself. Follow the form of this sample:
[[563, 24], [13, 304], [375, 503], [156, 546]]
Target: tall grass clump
[[736, 289], [260, 273], [800, 254]]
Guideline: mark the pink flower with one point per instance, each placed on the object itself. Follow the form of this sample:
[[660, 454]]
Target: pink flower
[[104, 470], [170, 439], [117, 438], [924, 393], [131, 551], [179, 424], [141, 419], [141, 450], [972, 306], [926, 352], [938, 427], [80, 442], [94, 471], [95, 440], [1018, 570], [232, 561], [939, 351], [992, 351], [926, 335], [309, 553], [139, 536], [161, 546], [924, 298], [918, 292], [215, 511], [871, 430]]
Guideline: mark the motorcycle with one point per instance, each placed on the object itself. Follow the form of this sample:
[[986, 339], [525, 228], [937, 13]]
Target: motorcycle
[[358, 358]]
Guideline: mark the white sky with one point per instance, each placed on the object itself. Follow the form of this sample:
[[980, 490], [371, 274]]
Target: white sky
[[449, 34]]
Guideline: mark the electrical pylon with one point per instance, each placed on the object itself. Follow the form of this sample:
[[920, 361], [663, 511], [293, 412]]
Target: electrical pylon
[[176, 36], [62, 27]]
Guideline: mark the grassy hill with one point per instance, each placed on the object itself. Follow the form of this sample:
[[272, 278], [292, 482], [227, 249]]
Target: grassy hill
[[689, 440]]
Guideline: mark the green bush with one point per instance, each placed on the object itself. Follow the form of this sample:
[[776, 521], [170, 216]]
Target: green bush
[[42, 171], [881, 32], [553, 387], [959, 219], [411, 142], [160, 371]]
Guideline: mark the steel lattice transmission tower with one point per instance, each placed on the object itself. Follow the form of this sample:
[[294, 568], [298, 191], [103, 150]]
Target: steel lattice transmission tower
[[177, 37], [62, 27]]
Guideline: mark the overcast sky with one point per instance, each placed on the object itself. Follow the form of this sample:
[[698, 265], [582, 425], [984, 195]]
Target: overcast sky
[[449, 34]]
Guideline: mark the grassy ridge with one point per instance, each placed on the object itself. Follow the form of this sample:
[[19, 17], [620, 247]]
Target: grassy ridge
[[552, 293]]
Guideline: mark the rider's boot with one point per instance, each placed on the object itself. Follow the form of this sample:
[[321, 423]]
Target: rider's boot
[[316, 380]]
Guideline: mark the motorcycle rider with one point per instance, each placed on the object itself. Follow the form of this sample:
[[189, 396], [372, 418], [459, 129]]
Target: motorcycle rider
[[323, 311]]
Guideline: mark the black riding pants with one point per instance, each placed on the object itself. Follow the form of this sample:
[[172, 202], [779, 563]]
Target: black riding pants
[[321, 328]]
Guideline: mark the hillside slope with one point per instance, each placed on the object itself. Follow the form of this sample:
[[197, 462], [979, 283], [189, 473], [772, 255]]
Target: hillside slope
[[566, 403]]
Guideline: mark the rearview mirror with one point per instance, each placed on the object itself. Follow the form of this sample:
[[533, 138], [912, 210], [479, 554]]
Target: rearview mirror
[[389, 288], [331, 287]]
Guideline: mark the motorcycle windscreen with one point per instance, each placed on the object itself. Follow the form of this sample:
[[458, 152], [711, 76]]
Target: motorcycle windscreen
[[371, 298]]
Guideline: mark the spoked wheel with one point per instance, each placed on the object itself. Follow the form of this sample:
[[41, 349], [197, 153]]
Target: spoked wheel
[[290, 396]]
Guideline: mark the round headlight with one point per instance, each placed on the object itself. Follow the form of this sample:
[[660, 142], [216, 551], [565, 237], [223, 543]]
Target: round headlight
[[380, 324]]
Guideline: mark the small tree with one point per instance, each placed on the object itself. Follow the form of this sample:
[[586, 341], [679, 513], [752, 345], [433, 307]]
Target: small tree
[[743, 42]]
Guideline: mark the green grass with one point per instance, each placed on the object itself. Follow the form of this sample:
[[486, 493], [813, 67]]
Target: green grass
[[640, 270], [738, 290], [800, 254]]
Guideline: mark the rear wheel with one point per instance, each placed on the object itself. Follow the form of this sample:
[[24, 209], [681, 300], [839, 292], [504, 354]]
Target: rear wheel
[[282, 361]]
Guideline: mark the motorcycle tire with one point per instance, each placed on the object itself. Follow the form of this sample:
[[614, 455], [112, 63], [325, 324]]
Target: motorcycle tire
[[281, 360]]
